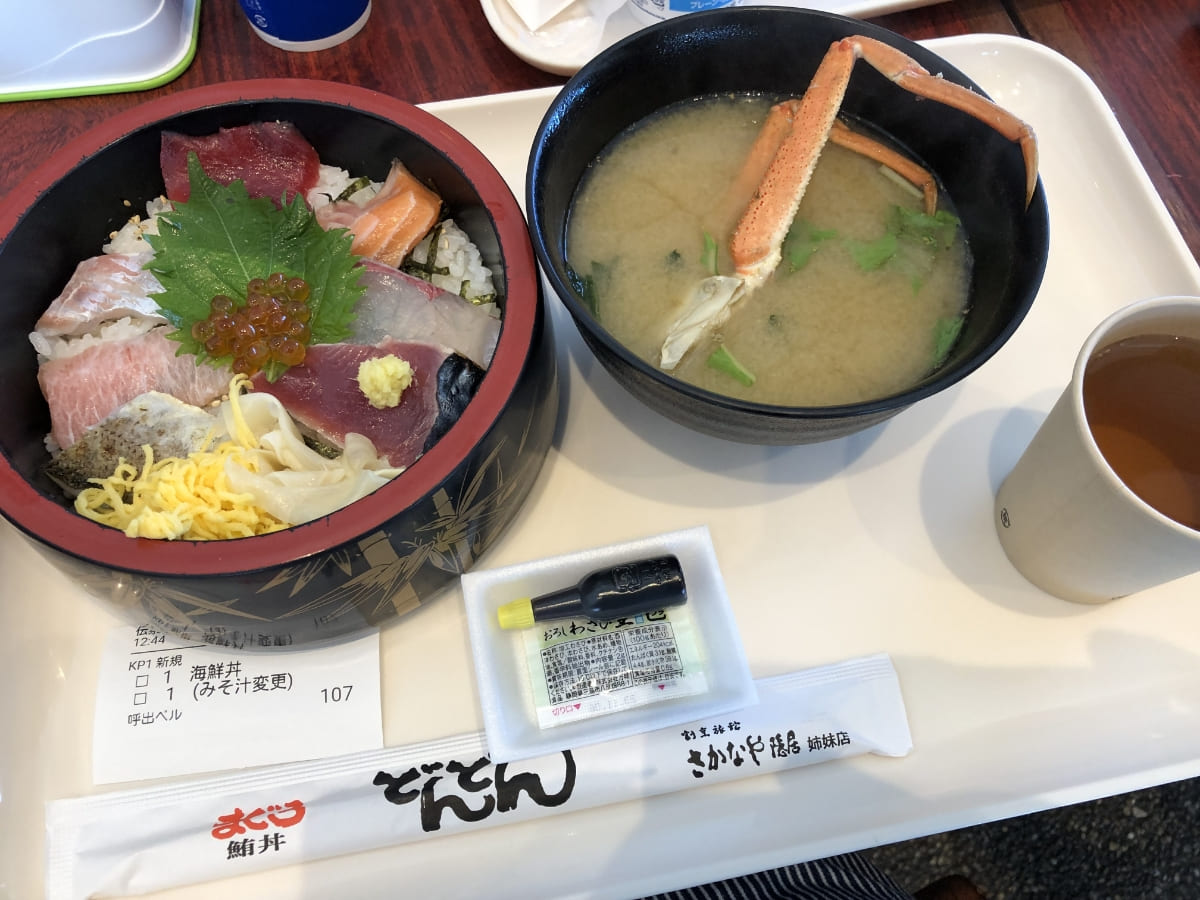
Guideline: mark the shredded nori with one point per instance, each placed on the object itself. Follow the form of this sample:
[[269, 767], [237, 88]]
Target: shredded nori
[[353, 188], [426, 270], [320, 447]]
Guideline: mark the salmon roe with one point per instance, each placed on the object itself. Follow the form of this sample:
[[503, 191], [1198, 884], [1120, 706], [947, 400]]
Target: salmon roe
[[269, 325]]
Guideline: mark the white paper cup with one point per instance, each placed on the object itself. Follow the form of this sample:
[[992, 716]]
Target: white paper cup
[[306, 25], [1066, 520]]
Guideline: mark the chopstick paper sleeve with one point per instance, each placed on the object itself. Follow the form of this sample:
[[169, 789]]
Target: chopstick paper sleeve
[[187, 832]]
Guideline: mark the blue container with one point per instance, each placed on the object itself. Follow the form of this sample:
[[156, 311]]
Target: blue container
[[306, 25]]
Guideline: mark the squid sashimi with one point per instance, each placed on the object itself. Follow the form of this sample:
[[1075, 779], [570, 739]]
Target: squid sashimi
[[388, 226], [273, 159], [323, 396], [102, 289], [85, 388], [401, 306]]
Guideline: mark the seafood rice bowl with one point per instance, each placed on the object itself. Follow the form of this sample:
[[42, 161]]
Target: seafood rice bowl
[[277, 361]]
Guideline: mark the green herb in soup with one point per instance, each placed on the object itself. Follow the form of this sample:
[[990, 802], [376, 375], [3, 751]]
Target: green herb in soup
[[870, 297], [723, 361]]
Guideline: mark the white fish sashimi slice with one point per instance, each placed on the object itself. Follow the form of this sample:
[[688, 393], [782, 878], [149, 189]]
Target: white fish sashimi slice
[[404, 308], [84, 389], [705, 309], [171, 427], [102, 289]]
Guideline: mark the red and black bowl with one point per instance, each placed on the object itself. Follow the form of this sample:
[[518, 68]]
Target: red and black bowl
[[370, 562]]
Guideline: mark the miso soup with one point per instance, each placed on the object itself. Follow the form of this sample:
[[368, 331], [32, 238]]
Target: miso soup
[[868, 299]]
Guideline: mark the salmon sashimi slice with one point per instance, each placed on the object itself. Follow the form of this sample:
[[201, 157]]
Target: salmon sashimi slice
[[390, 224], [84, 389], [273, 159], [102, 289]]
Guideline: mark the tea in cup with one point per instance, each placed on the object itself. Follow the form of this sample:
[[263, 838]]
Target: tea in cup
[[1105, 501]]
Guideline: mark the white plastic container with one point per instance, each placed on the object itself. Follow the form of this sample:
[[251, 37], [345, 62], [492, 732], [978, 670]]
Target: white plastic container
[[506, 695]]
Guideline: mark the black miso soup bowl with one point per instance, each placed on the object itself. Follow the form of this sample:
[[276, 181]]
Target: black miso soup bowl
[[775, 51], [368, 563]]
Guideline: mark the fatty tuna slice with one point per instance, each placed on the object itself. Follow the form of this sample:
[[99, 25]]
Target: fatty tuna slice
[[84, 389], [323, 396], [405, 308], [102, 289], [391, 223], [273, 159]]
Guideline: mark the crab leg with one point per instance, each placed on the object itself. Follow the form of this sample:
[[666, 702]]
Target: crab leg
[[776, 127], [757, 239], [904, 71], [784, 155], [886, 156]]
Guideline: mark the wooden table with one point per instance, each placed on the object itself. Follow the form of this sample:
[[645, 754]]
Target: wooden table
[[428, 52], [1145, 57]]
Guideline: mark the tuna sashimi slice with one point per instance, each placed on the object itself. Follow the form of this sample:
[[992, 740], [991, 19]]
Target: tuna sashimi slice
[[273, 158], [323, 396], [392, 222], [401, 306], [102, 289], [84, 389]]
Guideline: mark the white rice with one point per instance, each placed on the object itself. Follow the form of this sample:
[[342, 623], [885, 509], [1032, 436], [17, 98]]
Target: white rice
[[131, 236], [456, 266], [66, 347], [332, 182]]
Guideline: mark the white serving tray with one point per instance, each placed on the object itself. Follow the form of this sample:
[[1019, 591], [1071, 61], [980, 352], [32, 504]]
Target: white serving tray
[[586, 27], [880, 542]]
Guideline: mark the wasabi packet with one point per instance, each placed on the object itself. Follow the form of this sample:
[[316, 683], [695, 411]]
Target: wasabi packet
[[580, 668]]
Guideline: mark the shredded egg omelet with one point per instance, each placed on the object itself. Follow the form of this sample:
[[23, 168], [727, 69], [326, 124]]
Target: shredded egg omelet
[[182, 498]]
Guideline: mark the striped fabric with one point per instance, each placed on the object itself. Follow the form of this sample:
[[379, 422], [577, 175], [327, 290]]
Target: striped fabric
[[845, 877]]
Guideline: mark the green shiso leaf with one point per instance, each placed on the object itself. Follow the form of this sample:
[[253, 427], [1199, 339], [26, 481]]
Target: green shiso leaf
[[221, 238], [724, 361]]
